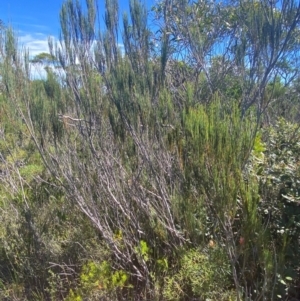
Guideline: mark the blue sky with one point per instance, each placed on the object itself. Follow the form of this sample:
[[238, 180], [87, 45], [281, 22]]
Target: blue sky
[[36, 20]]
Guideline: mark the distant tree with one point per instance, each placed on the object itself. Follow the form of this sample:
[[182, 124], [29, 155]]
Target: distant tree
[[44, 58]]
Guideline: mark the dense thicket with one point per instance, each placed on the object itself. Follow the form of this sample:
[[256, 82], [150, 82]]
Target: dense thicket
[[165, 169]]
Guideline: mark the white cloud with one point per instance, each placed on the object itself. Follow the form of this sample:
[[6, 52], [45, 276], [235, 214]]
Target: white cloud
[[121, 47], [37, 72], [35, 43]]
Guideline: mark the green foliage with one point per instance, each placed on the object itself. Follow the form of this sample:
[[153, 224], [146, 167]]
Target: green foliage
[[43, 58], [201, 274], [143, 250], [98, 279], [258, 146], [278, 173], [215, 148]]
